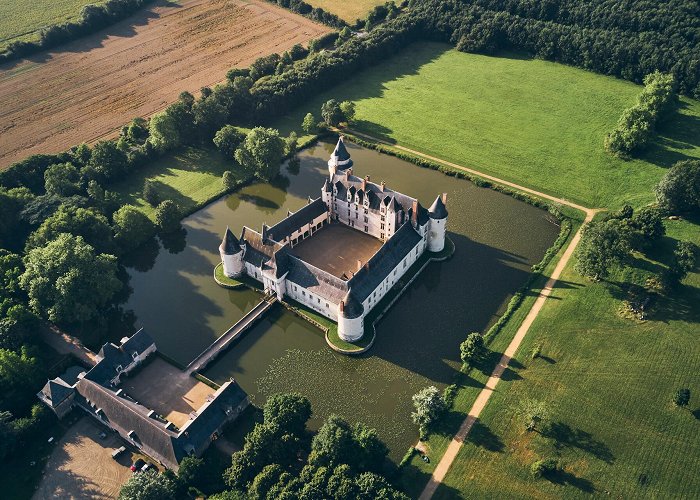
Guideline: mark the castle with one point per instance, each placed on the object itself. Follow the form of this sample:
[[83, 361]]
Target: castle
[[341, 253]]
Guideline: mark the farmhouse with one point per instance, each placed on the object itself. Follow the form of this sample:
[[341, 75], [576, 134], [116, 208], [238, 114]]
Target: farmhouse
[[342, 252], [127, 375]]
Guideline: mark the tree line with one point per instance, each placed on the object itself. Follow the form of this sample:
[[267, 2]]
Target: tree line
[[600, 35], [635, 127], [93, 17]]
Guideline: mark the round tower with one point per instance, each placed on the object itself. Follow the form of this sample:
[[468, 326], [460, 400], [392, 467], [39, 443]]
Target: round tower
[[231, 255], [350, 318], [340, 158], [438, 224]]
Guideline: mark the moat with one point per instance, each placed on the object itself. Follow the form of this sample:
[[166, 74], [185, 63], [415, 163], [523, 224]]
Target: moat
[[497, 239]]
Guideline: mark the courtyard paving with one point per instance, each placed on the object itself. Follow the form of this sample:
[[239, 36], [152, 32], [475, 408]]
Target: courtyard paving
[[168, 390], [336, 248]]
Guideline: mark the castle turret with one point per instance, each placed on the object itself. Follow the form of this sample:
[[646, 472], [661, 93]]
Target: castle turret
[[340, 158], [231, 255], [438, 222], [350, 318]]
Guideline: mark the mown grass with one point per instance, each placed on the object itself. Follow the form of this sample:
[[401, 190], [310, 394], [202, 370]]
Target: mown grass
[[608, 383], [415, 474], [533, 122], [191, 177], [24, 19], [347, 11]]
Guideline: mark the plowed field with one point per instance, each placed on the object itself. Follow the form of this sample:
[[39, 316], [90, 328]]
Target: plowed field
[[87, 89]]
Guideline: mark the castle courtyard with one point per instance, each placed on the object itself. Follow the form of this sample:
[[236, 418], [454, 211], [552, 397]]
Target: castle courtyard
[[336, 248], [171, 392]]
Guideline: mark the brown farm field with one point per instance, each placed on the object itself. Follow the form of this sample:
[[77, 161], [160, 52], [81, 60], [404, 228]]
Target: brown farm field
[[87, 89]]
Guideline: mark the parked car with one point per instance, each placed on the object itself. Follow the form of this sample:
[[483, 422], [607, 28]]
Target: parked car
[[136, 466], [118, 452], [148, 466]]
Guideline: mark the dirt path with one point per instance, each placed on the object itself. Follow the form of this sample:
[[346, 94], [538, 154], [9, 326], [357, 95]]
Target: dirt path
[[87, 89], [63, 343], [483, 398], [451, 453]]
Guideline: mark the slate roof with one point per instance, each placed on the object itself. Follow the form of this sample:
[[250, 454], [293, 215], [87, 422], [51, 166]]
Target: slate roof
[[438, 210], [229, 245], [56, 391], [112, 356], [126, 415], [383, 262], [210, 416], [375, 192], [316, 280], [297, 220], [340, 150], [258, 252], [70, 376], [353, 308]]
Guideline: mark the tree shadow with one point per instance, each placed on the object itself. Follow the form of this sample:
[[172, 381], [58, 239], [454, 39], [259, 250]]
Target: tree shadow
[[565, 436], [696, 413], [565, 478], [174, 242], [143, 258], [482, 436], [547, 359]]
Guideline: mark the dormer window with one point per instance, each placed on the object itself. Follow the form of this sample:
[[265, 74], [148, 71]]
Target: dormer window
[[119, 368], [135, 355]]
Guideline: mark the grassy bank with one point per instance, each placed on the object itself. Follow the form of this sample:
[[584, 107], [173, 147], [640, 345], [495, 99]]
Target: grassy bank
[[533, 122], [607, 382], [192, 177]]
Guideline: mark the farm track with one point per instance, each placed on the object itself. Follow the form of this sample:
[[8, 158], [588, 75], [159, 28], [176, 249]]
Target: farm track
[[86, 90]]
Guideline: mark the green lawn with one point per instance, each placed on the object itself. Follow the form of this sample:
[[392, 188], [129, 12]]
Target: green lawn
[[348, 11], [23, 19], [608, 383], [191, 177], [534, 122]]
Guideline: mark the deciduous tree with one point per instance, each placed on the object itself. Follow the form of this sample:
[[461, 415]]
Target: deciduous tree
[[603, 245], [429, 407], [261, 153], [168, 216], [131, 227], [148, 486], [472, 349], [228, 139]]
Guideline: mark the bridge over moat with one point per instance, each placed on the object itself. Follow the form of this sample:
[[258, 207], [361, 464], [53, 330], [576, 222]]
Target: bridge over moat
[[224, 341]]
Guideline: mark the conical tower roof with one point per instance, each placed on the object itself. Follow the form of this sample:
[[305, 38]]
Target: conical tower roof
[[341, 151], [229, 245], [438, 210]]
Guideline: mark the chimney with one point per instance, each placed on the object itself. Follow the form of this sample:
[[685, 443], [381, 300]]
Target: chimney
[[347, 174], [265, 229], [414, 213], [382, 186], [364, 184], [359, 265], [444, 198], [342, 306], [309, 200]]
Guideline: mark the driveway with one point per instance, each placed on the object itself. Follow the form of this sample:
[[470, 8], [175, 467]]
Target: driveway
[[81, 465]]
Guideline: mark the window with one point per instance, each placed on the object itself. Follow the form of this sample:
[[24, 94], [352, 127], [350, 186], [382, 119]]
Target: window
[[381, 236], [327, 305], [366, 219], [383, 218], [348, 212], [366, 211], [319, 300], [357, 215], [382, 226], [303, 293], [295, 288], [366, 229], [404, 264]]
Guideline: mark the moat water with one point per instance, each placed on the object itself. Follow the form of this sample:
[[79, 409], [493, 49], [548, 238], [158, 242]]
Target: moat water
[[497, 239]]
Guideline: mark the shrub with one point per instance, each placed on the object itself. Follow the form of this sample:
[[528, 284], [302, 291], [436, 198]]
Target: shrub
[[472, 349], [229, 180], [150, 194], [544, 467], [228, 139], [681, 398], [168, 216]]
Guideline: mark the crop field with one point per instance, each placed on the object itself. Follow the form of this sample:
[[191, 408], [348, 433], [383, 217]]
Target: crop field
[[529, 121], [607, 383], [24, 19], [348, 11], [89, 88]]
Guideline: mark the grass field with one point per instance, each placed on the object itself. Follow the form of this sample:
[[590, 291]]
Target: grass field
[[190, 177], [23, 19], [349, 11], [607, 382], [534, 122]]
